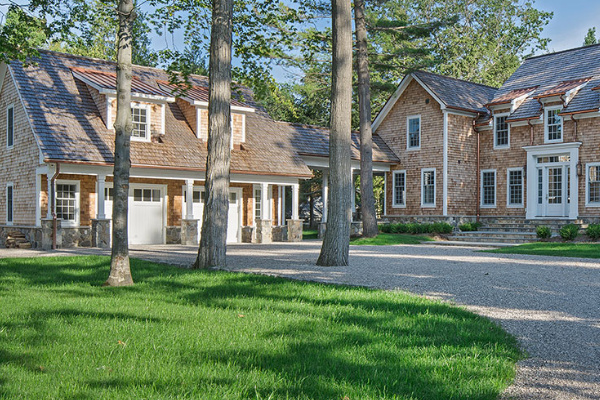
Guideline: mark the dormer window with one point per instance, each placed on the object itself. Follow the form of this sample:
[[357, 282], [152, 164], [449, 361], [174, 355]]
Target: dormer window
[[139, 119], [553, 125], [501, 132]]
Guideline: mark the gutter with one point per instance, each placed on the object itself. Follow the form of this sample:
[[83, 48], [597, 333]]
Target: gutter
[[478, 200], [53, 204]]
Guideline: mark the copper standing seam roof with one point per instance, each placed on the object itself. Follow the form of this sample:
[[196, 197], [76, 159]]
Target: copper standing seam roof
[[510, 96], [108, 81], [194, 92]]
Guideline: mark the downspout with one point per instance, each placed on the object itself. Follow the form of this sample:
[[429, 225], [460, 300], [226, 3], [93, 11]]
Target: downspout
[[52, 198], [530, 132], [575, 123], [477, 201]]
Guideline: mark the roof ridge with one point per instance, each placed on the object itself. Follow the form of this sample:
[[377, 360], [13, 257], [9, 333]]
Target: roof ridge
[[456, 79], [561, 51]]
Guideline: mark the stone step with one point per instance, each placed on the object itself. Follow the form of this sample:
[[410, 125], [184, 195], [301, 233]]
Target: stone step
[[513, 235], [492, 239]]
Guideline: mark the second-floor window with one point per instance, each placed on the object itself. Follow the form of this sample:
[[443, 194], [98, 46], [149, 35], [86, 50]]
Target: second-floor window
[[413, 132], [10, 126], [139, 119], [501, 132], [553, 125]]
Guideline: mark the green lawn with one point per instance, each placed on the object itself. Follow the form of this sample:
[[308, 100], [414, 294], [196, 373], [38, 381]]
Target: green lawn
[[583, 250], [217, 335], [384, 239], [310, 234]]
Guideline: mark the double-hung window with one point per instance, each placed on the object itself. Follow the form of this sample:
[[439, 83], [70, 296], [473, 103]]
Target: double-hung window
[[593, 184], [67, 202], [413, 132], [428, 187], [399, 195], [257, 203], [501, 132], [515, 187], [488, 188], [9, 203], [10, 126], [140, 121], [553, 125]]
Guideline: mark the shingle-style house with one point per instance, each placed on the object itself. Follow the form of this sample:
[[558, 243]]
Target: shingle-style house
[[56, 135], [529, 150]]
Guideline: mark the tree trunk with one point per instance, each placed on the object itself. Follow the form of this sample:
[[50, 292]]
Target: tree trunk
[[120, 273], [367, 198], [213, 240], [336, 243]]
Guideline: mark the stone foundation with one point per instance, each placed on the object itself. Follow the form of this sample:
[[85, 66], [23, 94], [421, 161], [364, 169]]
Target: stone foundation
[[101, 233], [48, 232], [294, 230], [264, 228], [75, 237], [33, 234], [247, 234], [173, 235], [189, 232], [280, 233]]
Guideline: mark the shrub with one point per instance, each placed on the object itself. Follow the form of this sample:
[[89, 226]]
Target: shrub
[[469, 226], [543, 232], [441, 228], [593, 231], [385, 228], [569, 231], [416, 228]]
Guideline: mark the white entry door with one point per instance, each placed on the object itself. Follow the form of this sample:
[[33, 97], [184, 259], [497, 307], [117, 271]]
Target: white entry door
[[234, 218], [553, 188]]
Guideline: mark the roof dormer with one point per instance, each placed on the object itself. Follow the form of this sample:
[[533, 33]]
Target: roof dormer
[[563, 92]]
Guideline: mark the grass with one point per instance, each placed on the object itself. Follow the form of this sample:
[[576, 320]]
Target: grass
[[582, 250], [385, 239], [310, 234], [217, 335]]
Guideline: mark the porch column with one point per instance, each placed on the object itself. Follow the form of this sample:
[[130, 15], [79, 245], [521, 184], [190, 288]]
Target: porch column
[[189, 199], [353, 195], [325, 196], [295, 200], [101, 179], [49, 194], [279, 206], [264, 226], [264, 204]]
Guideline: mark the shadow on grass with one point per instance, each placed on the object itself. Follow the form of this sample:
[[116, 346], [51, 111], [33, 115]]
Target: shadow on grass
[[341, 341]]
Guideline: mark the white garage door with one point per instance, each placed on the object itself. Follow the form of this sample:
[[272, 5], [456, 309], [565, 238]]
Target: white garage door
[[146, 213], [234, 219]]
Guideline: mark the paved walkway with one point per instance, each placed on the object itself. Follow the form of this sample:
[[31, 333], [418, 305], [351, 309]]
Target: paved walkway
[[552, 305]]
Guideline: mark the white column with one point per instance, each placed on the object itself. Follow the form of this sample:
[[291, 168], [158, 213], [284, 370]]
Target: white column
[[279, 206], [101, 180], [264, 204], [189, 199], [38, 200], [445, 167], [283, 222], [49, 194], [295, 200], [353, 195], [325, 195]]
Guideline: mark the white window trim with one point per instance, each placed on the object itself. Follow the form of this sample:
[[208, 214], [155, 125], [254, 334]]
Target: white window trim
[[423, 170], [10, 107], [394, 204], [562, 127], [587, 184], [198, 121], [508, 203], [77, 200], [408, 147], [495, 189], [254, 189], [505, 146], [148, 122], [12, 186]]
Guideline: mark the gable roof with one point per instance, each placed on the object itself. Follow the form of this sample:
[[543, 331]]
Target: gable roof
[[555, 74], [69, 128], [450, 93]]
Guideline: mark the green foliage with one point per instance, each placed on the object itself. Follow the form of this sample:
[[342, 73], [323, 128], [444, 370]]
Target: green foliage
[[417, 228], [593, 231], [569, 232], [21, 35], [579, 250], [215, 335], [543, 232], [590, 37], [469, 226]]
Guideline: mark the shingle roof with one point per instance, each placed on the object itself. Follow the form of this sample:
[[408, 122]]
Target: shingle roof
[[456, 93], [108, 80], [194, 92], [69, 127], [312, 140], [553, 73]]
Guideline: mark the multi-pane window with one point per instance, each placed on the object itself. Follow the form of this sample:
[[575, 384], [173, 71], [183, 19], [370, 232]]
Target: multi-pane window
[[553, 126], [540, 186], [257, 202], [488, 188], [501, 137], [414, 132], [594, 184], [10, 126], [109, 194], [196, 196], [139, 119], [147, 195], [515, 187], [9, 204], [399, 188], [66, 202], [428, 187]]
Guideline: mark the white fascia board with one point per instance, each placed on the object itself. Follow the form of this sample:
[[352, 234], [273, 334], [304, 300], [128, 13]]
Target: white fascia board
[[460, 113], [322, 163], [550, 99], [552, 148], [204, 104], [440, 102], [392, 101], [594, 114]]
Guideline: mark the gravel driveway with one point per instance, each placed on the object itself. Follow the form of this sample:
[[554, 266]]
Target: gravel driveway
[[552, 305]]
